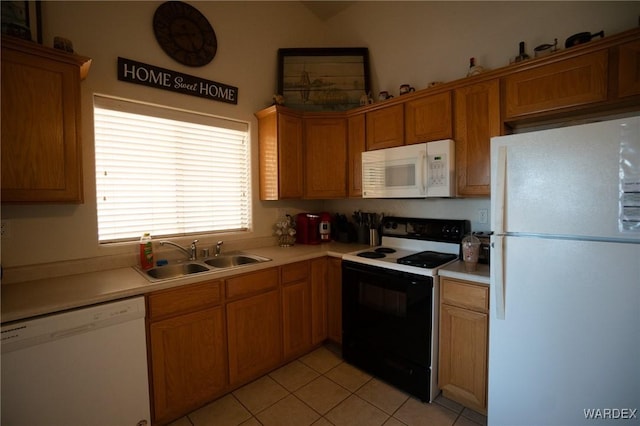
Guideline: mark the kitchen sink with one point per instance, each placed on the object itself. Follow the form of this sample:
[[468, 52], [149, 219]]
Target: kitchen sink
[[211, 264], [174, 271], [233, 260]]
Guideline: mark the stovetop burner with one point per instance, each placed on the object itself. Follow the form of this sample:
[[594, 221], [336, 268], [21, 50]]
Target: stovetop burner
[[371, 255], [377, 253], [385, 250], [427, 259]]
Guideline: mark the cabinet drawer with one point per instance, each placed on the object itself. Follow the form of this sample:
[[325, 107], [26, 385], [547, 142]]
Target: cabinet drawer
[[252, 283], [184, 299], [465, 295], [295, 272]]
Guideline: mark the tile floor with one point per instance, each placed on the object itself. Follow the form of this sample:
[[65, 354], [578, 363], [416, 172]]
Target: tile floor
[[320, 389]]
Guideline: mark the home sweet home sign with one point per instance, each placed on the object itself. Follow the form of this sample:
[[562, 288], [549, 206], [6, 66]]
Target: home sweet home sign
[[161, 78]]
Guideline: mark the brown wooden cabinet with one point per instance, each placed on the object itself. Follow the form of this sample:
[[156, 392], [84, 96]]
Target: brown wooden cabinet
[[187, 356], [569, 83], [319, 276], [629, 69], [334, 299], [41, 123], [254, 330], [296, 309], [477, 121], [281, 153], [428, 118], [325, 152], [463, 348], [385, 127], [356, 146]]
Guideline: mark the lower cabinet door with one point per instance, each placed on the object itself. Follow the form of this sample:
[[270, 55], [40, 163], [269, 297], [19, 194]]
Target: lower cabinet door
[[462, 372], [254, 335], [188, 362], [296, 319]]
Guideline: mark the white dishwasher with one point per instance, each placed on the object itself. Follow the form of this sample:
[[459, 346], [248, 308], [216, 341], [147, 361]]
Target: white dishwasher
[[81, 367]]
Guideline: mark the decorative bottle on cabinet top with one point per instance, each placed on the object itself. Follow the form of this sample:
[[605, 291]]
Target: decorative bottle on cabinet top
[[473, 68]]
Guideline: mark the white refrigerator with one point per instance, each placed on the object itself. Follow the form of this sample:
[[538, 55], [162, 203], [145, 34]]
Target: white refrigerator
[[564, 327]]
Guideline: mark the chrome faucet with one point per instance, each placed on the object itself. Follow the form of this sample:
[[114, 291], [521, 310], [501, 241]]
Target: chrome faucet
[[192, 252], [218, 248]]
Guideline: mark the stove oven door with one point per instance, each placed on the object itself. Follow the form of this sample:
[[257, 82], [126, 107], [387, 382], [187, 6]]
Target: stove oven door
[[386, 321]]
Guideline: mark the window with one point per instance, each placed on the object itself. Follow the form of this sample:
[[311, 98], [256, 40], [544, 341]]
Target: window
[[168, 171]]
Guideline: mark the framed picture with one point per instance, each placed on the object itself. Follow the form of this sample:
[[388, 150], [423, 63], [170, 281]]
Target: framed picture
[[22, 19], [323, 79]]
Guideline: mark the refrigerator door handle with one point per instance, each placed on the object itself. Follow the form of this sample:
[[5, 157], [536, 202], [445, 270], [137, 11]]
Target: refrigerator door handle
[[497, 275], [500, 191]]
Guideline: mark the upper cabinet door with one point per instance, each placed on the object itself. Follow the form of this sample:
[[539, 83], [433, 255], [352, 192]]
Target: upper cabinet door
[[357, 145], [477, 121], [325, 143], [629, 69], [559, 85], [428, 118], [385, 127], [280, 140], [41, 146]]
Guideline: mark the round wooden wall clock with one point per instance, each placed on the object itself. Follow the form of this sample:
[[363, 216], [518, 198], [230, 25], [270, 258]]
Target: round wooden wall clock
[[184, 33]]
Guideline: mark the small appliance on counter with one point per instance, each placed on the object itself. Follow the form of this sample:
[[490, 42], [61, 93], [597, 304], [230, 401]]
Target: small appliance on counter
[[325, 227], [307, 228]]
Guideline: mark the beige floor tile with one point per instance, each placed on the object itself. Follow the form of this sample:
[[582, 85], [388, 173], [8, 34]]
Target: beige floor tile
[[182, 421], [416, 413], [476, 417], [294, 375], [464, 421], [382, 395], [321, 360], [289, 411], [260, 394], [251, 422], [355, 411], [322, 422], [348, 376], [225, 411], [322, 394], [393, 422]]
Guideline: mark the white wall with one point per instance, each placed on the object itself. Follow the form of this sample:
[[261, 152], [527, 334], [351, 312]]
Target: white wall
[[412, 42]]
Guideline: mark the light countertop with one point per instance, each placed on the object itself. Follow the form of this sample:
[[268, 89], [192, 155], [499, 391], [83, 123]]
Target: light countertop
[[459, 271], [26, 299]]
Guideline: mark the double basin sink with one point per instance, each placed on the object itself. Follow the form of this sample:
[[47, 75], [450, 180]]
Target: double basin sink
[[179, 270]]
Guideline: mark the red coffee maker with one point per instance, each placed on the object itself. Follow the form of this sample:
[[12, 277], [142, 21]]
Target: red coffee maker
[[307, 228]]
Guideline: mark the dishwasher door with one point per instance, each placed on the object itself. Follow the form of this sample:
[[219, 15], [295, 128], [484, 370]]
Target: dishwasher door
[[82, 367]]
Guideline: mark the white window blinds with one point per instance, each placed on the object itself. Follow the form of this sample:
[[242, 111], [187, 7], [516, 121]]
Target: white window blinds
[[168, 172]]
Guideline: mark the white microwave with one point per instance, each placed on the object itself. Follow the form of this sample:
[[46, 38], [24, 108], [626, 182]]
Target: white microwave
[[410, 171]]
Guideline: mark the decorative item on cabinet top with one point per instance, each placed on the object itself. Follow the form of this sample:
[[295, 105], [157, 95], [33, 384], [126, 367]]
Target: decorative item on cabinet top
[[22, 19], [323, 79]]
